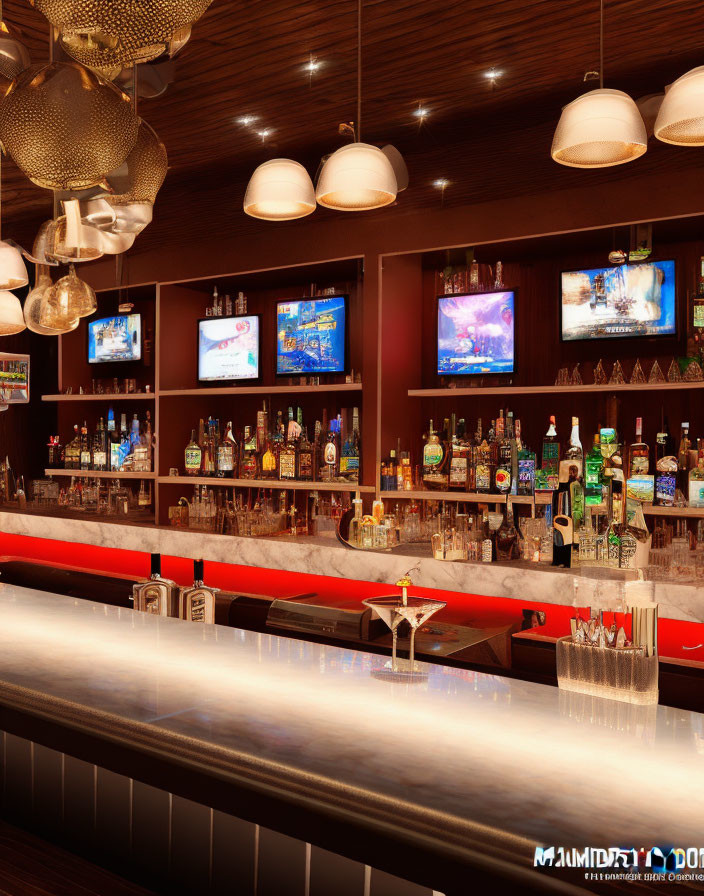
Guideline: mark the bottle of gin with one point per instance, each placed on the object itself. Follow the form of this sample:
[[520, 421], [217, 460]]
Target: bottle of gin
[[197, 602], [157, 595], [551, 456], [193, 456]]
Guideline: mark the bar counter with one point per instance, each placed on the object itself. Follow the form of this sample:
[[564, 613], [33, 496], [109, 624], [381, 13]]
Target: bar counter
[[525, 582], [470, 769]]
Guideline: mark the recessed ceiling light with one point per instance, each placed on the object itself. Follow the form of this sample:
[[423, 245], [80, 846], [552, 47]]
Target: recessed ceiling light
[[493, 74], [441, 183], [312, 66], [421, 113], [247, 120], [265, 133]]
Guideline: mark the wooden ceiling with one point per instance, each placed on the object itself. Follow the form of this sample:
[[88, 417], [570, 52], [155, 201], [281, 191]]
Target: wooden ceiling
[[247, 57]]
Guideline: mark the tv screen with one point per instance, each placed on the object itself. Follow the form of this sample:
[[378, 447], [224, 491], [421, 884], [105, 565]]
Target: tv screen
[[617, 302], [310, 335], [476, 333], [117, 338], [228, 348]]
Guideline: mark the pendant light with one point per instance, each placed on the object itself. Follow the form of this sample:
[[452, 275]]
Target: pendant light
[[681, 117], [601, 128], [33, 306], [357, 177], [11, 317], [280, 190]]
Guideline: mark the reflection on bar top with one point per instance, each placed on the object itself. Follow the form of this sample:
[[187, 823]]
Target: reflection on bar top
[[510, 756]]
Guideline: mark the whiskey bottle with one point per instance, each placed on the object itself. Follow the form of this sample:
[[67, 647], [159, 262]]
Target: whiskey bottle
[[639, 453], [287, 460], [484, 469], [197, 602], [227, 452], [459, 458], [248, 464], [193, 456], [157, 595], [331, 453], [551, 457], [72, 452], [306, 454]]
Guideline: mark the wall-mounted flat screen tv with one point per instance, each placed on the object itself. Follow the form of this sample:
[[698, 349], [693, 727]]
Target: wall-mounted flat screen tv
[[228, 348], [311, 336], [117, 338], [476, 333], [618, 302]]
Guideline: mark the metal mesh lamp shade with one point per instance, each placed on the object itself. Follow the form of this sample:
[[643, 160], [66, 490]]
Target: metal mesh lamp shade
[[681, 116], [144, 171], [280, 190], [356, 178], [14, 57], [13, 273], [11, 317], [65, 126], [109, 34], [599, 129]]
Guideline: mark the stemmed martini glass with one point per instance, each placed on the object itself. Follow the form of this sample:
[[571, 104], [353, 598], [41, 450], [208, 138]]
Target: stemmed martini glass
[[393, 609]]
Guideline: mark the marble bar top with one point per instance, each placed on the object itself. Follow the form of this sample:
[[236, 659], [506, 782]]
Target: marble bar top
[[524, 582], [463, 760]]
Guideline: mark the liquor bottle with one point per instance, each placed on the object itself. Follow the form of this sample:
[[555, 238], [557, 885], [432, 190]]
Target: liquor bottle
[[639, 453], [124, 444], [504, 436], [434, 461], [695, 492], [331, 455], [100, 447], [209, 458], [306, 459], [665, 468], [72, 452], [269, 463], [111, 420], [248, 463], [287, 458], [514, 435], [197, 602], [683, 460], [587, 555], [262, 428], [526, 471], [483, 469], [193, 456], [551, 456], [563, 532], [574, 456], [134, 432], [54, 452], [614, 531], [85, 457], [156, 595], [459, 458], [593, 479], [227, 452]]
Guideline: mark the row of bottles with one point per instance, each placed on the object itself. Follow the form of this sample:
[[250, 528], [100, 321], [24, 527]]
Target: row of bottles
[[162, 597], [499, 462], [278, 448], [107, 448]]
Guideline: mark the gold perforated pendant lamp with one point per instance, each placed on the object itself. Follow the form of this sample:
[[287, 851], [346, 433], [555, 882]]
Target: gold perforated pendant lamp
[[66, 127], [681, 117], [110, 34]]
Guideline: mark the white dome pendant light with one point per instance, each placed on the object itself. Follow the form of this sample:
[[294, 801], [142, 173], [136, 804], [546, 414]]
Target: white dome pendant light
[[280, 190], [680, 120], [11, 316], [601, 128], [357, 177]]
